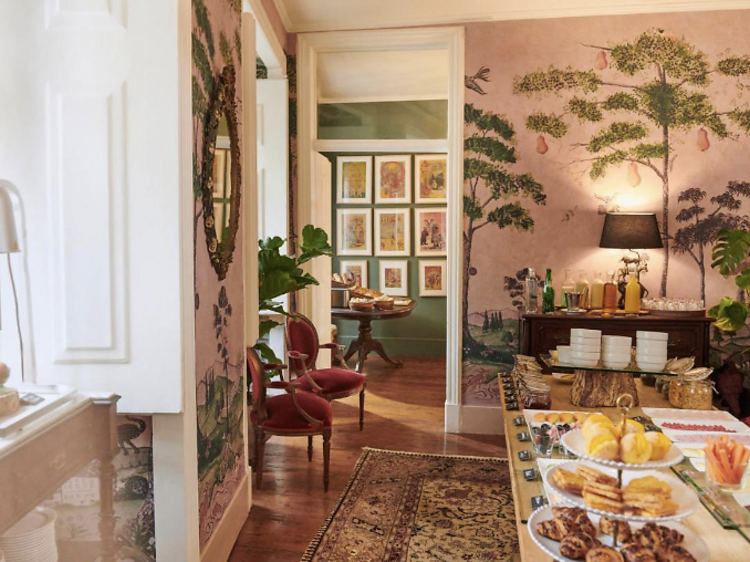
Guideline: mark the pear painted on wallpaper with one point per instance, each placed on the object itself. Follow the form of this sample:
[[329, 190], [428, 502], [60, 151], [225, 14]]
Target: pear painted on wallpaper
[[541, 145], [600, 63], [703, 143], [634, 178]]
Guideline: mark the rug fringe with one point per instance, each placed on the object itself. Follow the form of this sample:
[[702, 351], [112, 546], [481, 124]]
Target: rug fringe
[[315, 543], [432, 455]]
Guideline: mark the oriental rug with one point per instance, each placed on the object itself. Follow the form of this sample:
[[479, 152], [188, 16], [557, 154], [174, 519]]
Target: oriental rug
[[415, 507]]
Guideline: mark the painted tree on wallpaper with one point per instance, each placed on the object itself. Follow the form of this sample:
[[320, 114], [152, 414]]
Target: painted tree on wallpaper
[[493, 195], [701, 226], [665, 86]]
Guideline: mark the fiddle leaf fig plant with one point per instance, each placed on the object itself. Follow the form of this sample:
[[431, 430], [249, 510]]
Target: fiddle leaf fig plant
[[279, 274], [731, 255]]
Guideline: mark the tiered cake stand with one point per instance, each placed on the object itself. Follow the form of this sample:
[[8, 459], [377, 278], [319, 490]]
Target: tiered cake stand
[[686, 499]]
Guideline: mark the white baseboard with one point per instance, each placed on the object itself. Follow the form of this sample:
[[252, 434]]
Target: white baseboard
[[481, 420], [220, 545], [452, 418]]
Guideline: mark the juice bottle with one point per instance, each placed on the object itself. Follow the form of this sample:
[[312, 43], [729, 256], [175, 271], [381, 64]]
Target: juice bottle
[[597, 291], [548, 295], [532, 292], [609, 303], [582, 286], [633, 296], [568, 286]]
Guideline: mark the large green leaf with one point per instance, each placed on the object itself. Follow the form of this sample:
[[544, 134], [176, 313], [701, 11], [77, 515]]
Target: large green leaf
[[314, 244], [730, 251], [743, 280], [266, 326], [730, 315], [267, 356]]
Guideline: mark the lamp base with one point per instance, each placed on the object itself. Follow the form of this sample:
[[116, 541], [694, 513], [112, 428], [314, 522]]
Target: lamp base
[[9, 402]]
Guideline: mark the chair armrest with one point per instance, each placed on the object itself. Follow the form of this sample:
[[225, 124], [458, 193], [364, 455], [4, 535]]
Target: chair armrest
[[300, 358], [337, 351], [274, 366], [286, 385], [330, 345]]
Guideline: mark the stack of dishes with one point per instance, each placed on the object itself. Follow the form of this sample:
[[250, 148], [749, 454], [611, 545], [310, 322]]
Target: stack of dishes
[[651, 350], [616, 351], [585, 347], [32, 539]]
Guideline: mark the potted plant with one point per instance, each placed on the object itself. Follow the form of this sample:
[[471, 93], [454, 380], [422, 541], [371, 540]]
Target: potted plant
[[731, 256], [280, 274]]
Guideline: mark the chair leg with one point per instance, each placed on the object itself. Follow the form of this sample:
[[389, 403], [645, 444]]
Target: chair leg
[[309, 448], [326, 457], [362, 409], [260, 446]]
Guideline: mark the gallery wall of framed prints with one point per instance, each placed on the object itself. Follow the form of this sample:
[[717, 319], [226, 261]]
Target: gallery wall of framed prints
[[392, 206]]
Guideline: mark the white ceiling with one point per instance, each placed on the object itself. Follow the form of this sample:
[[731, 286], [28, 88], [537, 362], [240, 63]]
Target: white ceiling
[[375, 75], [328, 15]]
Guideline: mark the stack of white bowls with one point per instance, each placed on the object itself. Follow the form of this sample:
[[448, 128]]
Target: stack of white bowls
[[616, 351], [585, 347], [563, 356], [32, 539], [651, 350]]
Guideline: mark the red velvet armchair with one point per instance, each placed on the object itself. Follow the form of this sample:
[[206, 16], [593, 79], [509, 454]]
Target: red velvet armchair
[[331, 384], [296, 413]]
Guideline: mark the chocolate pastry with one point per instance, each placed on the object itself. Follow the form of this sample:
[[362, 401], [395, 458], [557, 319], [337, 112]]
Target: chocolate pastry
[[655, 536], [572, 513], [556, 529], [632, 552], [577, 545], [674, 553], [624, 533], [586, 526], [604, 554]]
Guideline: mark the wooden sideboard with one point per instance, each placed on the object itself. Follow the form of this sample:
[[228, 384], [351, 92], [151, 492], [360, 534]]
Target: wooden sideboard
[[687, 336]]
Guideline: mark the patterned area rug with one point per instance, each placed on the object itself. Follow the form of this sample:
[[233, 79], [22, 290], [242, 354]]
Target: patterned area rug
[[414, 507]]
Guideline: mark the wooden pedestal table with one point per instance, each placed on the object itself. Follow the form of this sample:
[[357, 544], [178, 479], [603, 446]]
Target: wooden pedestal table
[[725, 545], [365, 343]]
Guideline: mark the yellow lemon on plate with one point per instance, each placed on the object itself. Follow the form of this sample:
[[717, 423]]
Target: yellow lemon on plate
[[632, 426], [635, 448], [660, 444], [603, 446]]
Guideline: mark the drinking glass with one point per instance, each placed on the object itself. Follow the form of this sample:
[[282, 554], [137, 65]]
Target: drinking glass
[[722, 477]]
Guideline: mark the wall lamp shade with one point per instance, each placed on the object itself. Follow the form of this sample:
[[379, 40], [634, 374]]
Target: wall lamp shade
[[8, 237], [631, 231]]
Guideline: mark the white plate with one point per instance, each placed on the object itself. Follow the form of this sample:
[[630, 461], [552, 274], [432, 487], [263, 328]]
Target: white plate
[[686, 498], [692, 542], [676, 414], [651, 336], [736, 425], [32, 523], [697, 439], [575, 442]]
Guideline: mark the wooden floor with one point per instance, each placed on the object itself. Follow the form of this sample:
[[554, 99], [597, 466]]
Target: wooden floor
[[404, 411]]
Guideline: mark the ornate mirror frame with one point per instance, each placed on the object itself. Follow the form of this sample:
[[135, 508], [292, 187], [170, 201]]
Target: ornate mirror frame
[[224, 104]]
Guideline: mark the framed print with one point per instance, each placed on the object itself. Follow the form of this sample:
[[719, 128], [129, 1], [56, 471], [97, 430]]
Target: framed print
[[354, 232], [394, 277], [358, 268], [392, 232], [429, 231], [393, 179], [432, 278], [432, 173], [354, 179]]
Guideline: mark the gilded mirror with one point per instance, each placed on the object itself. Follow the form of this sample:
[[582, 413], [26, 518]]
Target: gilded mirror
[[222, 174]]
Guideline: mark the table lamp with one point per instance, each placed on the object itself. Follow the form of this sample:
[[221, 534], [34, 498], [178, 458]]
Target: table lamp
[[9, 245], [633, 232]]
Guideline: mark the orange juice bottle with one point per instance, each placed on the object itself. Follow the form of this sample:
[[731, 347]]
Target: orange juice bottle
[[633, 296]]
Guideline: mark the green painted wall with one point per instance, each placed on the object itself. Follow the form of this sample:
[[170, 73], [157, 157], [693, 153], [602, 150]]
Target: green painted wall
[[421, 334]]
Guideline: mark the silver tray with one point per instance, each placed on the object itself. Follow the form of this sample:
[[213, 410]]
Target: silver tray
[[54, 395]]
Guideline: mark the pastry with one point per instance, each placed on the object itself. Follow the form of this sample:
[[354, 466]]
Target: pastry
[[667, 509], [577, 545], [590, 426], [595, 501], [635, 448], [592, 474], [552, 418], [605, 490], [632, 552], [539, 417], [603, 554], [603, 446], [568, 481], [660, 444], [649, 485], [674, 553], [624, 532], [554, 529], [632, 426], [580, 418], [574, 514], [656, 536], [566, 418]]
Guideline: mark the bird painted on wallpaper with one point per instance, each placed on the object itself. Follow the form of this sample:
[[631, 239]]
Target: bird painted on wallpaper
[[608, 204], [482, 75]]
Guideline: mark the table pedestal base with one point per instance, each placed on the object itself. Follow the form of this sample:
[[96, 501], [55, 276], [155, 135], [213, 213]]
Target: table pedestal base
[[600, 389], [365, 344]]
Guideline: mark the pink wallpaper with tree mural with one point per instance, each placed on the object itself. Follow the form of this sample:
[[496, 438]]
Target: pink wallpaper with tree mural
[[567, 119]]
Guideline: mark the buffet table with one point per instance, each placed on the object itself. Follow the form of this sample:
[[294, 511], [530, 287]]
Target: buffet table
[[725, 545]]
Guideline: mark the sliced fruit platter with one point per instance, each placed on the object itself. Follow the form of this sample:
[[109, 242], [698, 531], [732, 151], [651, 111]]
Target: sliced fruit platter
[[568, 534], [644, 495]]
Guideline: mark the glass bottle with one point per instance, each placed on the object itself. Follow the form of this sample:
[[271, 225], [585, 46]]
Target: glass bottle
[[597, 291], [532, 292], [609, 303], [582, 286], [548, 296], [633, 296], [568, 286]]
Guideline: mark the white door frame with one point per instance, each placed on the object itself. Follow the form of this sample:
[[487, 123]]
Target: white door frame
[[451, 39]]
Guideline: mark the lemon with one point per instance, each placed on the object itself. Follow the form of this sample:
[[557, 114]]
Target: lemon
[[635, 448], [660, 444], [633, 426]]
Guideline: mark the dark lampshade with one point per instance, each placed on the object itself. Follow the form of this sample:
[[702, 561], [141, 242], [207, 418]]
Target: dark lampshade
[[630, 231]]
